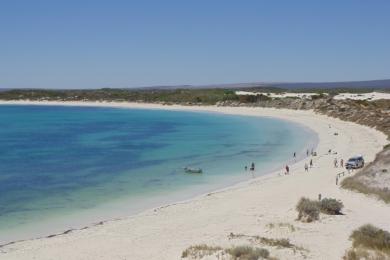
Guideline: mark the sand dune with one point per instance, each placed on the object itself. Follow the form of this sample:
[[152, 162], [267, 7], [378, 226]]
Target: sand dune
[[363, 96]]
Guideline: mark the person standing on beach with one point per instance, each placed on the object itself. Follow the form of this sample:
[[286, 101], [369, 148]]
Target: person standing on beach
[[287, 170], [306, 167], [307, 152], [342, 163], [311, 163], [335, 163]]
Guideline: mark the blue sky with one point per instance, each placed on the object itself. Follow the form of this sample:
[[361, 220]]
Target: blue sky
[[93, 44]]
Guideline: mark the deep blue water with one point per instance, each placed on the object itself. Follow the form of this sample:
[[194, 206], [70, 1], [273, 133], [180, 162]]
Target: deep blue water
[[55, 161]]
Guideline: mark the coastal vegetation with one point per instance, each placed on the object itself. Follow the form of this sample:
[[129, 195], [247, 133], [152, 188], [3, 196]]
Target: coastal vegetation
[[330, 206], [168, 96], [235, 252], [374, 179], [204, 96], [199, 251], [275, 242], [248, 253], [289, 226], [278, 243], [309, 210], [369, 242]]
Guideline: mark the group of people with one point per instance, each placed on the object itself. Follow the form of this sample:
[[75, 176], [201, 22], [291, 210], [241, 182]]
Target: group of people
[[287, 168], [252, 168], [312, 153], [307, 166], [336, 163]]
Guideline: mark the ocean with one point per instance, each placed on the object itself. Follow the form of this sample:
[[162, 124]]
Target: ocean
[[63, 167]]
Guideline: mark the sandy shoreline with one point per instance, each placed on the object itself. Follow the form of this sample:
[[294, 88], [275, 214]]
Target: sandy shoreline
[[163, 233]]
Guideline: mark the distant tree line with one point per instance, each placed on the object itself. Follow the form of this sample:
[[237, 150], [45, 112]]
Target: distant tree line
[[208, 96], [193, 96]]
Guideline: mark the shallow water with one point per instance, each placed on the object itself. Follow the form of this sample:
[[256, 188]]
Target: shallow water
[[66, 163]]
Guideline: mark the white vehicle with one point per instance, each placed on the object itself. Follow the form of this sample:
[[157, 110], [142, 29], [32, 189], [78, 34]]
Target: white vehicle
[[355, 162]]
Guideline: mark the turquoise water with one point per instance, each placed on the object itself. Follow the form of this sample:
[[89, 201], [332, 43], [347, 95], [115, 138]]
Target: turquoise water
[[82, 164]]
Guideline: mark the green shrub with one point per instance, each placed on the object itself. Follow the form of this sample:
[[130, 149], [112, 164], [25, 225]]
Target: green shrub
[[331, 206], [371, 237], [308, 210], [248, 253]]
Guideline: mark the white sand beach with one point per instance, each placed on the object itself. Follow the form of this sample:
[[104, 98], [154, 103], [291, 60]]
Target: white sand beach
[[247, 208]]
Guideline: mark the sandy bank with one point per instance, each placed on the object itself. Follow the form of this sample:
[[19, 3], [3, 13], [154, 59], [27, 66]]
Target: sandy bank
[[247, 209]]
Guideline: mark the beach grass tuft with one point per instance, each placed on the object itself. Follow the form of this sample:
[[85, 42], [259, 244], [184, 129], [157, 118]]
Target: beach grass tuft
[[273, 242], [331, 206], [289, 226], [199, 251], [308, 210], [371, 237], [236, 252], [353, 183], [369, 242], [248, 253], [361, 253]]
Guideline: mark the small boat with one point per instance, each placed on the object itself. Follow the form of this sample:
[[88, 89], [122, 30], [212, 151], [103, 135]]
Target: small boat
[[192, 170]]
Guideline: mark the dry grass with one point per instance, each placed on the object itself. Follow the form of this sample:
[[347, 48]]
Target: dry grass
[[330, 206], [369, 242], [199, 251], [353, 183], [308, 210], [236, 252], [364, 254], [371, 237], [289, 226], [248, 253], [274, 242], [277, 242]]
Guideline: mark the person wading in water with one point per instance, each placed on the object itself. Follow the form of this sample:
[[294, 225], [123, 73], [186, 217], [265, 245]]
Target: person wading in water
[[252, 166]]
